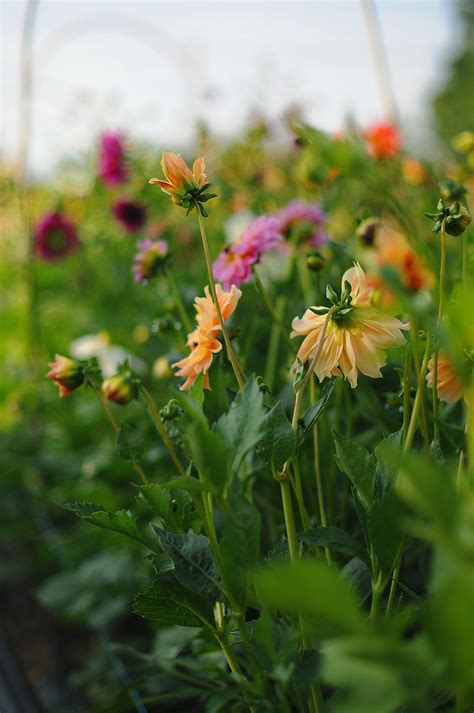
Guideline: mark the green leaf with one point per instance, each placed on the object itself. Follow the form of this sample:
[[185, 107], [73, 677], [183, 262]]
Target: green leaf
[[359, 465], [172, 505], [310, 588], [193, 561], [168, 602], [429, 489], [449, 623], [216, 401], [359, 576], [240, 543], [206, 447], [242, 426], [314, 412], [335, 539], [364, 682], [279, 439], [384, 528], [120, 521], [186, 482], [129, 443], [387, 465]]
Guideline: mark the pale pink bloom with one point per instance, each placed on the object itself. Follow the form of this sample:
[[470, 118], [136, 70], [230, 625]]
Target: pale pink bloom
[[310, 215], [203, 341], [448, 385], [353, 342]]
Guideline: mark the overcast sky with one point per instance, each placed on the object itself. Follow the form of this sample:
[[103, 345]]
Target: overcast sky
[[152, 68]]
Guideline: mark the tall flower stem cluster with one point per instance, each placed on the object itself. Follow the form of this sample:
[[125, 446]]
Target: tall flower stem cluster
[[238, 371]]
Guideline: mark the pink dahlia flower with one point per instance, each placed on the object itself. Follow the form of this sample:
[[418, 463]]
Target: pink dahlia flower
[[233, 266], [112, 169], [151, 257], [308, 218], [55, 237], [130, 214]]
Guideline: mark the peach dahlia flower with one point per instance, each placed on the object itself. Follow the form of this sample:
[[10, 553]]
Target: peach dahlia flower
[[179, 177], [356, 336], [203, 341], [448, 386]]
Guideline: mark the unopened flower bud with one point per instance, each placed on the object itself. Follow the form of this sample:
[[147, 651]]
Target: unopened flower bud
[[171, 411], [66, 373], [315, 261], [458, 220], [367, 231], [120, 389]]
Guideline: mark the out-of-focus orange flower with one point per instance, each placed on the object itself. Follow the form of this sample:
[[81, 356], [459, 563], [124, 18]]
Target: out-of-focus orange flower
[[382, 139], [180, 179], [413, 171], [356, 334], [204, 340], [448, 385], [394, 251]]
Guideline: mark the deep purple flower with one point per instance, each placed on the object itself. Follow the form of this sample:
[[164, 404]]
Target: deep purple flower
[[55, 237], [130, 214], [112, 169], [150, 259], [308, 218]]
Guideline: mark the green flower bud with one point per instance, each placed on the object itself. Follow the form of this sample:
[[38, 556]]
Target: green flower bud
[[315, 261], [171, 411], [120, 389]]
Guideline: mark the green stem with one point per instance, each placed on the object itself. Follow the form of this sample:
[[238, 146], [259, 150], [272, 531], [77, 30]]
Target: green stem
[[108, 413], [239, 375], [424, 424], [406, 390], [442, 272], [181, 309], [305, 521], [267, 302], [317, 470], [406, 447], [272, 354], [160, 427]]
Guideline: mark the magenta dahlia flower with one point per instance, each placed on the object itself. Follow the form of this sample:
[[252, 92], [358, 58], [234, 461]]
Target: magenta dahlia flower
[[307, 218], [130, 214], [150, 259], [234, 264], [112, 169], [55, 237]]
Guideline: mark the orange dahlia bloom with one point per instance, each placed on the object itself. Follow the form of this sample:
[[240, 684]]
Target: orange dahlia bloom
[[180, 179], [203, 341], [393, 250], [448, 386], [382, 139], [66, 373], [356, 335]]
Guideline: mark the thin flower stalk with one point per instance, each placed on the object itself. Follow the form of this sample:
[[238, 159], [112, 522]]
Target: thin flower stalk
[[273, 313], [239, 375], [108, 413], [160, 427]]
